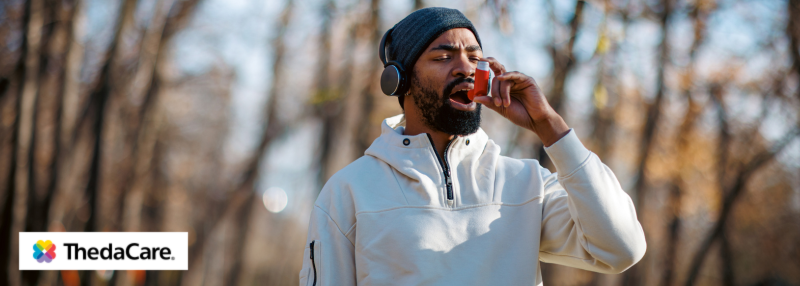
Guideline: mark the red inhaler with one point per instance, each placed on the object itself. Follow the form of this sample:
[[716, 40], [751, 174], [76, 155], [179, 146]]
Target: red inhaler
[[481, 81]]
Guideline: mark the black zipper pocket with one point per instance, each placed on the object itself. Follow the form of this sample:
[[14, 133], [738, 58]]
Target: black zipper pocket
[[313, 264]]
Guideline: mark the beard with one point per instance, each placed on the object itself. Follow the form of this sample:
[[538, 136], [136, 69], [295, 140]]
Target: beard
[[439, 114]]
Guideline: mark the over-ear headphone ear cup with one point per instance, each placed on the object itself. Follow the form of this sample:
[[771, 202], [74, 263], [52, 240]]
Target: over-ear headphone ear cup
[[402, 87], [393, 79], [390, 80]]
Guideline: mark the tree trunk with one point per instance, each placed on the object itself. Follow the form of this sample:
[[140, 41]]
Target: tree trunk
[[243, 192], [366, 126], [684, 140], [23, 179]]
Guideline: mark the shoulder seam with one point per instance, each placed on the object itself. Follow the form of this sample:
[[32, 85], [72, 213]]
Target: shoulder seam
[[399, 186], [334, 223]]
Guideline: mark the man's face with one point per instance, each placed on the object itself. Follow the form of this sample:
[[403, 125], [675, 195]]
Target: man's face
[[440, 80]]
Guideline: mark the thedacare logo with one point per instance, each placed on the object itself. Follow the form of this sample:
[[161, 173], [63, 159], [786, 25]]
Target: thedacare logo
[[132, 252], [44, 251], [104, 250]]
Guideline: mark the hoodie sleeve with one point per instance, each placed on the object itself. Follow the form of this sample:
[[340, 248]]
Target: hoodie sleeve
[[588, 221], [333, 260]]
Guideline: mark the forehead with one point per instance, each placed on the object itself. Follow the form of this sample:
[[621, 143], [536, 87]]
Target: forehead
[[458, 37]]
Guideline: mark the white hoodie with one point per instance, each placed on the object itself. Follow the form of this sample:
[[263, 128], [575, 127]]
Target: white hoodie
[[389, 218]]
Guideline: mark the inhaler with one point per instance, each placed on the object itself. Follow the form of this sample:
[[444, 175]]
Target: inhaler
[[481, 81]]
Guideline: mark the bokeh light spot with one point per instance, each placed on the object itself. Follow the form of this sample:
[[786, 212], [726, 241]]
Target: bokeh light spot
[[275, 199]]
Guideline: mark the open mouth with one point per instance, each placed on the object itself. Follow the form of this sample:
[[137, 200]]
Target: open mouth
[[461, 97]]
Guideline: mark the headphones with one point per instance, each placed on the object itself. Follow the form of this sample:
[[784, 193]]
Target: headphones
[[393, 78]]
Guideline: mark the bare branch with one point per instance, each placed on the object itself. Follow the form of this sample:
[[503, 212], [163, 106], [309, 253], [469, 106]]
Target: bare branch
[[732, 193]]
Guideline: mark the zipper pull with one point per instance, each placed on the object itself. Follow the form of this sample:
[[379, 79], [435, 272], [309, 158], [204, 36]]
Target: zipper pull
[[312, 249], [449, 188]]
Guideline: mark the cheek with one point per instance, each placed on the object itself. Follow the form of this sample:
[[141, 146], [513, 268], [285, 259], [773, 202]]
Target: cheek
[[437, 84], [433, 76]]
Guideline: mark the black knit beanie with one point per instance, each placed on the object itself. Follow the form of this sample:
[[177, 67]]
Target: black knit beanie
[[415, 32]]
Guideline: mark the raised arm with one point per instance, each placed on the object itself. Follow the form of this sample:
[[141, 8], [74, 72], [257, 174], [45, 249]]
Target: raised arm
[[588, 221]]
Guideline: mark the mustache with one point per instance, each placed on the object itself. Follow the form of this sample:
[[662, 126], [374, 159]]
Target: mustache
[[448, 89]]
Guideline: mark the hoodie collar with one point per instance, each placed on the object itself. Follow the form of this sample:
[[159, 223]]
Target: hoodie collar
[[414, 155]]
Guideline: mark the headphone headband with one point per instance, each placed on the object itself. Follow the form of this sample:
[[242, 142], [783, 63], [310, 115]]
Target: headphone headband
[[393, 78], [382, 51]]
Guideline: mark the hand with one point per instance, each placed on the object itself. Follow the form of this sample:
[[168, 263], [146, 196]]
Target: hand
[[518, 98]]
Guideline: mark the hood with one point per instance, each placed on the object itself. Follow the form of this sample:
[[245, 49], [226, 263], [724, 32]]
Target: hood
[[418, 160]]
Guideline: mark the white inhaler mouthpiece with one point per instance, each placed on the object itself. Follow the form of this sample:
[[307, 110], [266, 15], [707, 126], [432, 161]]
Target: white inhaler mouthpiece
[[483, 65]]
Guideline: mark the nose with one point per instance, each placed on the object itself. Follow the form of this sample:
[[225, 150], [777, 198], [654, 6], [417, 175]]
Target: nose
[[463, 67]]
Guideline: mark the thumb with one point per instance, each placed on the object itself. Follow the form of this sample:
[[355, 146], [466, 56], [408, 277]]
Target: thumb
[[487, 101]]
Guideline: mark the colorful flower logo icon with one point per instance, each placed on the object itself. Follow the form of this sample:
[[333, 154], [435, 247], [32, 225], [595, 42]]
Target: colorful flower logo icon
[[44, 251]]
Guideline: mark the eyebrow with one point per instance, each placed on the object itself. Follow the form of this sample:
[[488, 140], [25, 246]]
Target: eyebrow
[[452, 48]]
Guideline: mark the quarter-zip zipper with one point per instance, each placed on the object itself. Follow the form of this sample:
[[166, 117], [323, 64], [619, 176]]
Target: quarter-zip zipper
[[445, 167], [312, 262]]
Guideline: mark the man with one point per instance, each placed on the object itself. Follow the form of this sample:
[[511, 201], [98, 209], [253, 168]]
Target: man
[[433, 202]]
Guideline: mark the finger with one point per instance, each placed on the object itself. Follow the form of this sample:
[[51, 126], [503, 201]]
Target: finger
[[495, 65], [520, 81], [502, 92], [515, 77], [483, 99], [495, 91], [505, 92], [487, 101]]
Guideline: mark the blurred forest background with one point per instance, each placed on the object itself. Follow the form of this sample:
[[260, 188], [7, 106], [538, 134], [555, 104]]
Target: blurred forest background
[[223, 118]]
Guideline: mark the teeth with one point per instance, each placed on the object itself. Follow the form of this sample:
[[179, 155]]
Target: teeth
[[466, 89]]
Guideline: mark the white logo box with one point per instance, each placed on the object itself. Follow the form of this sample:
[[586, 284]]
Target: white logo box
[[177, 255]]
